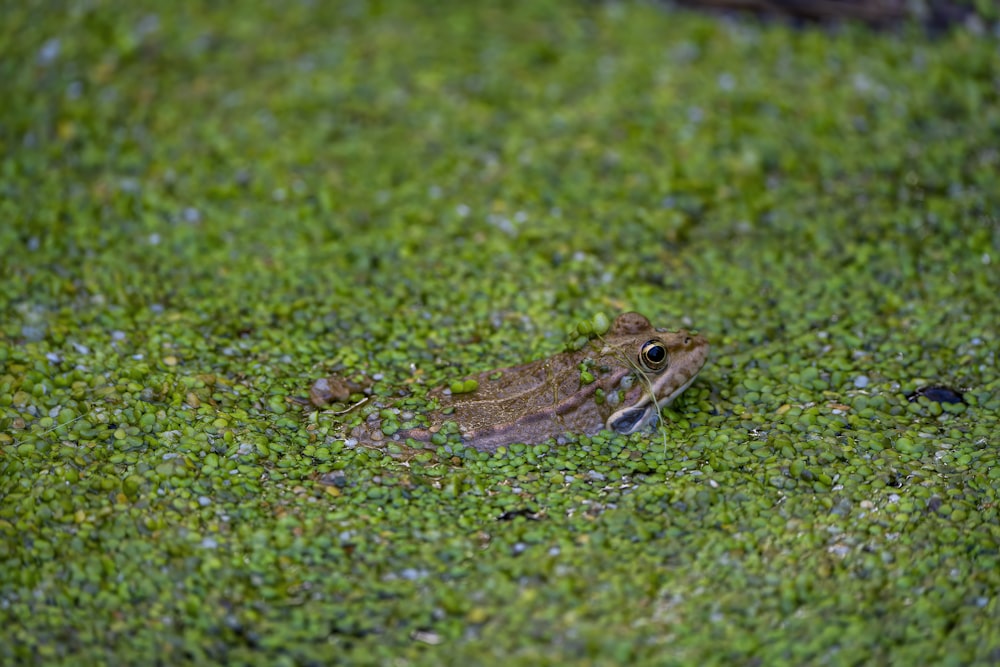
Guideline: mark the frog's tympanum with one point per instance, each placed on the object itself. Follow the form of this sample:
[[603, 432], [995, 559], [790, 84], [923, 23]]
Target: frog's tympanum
[[617, 381]]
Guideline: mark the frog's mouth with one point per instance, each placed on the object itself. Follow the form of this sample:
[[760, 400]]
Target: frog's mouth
[[631, 419], [645, 412]]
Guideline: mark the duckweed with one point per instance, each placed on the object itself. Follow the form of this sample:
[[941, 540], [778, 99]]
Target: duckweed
[[206, 211]]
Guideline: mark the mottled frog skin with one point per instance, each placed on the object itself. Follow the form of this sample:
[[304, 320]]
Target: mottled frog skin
[[608, 384]]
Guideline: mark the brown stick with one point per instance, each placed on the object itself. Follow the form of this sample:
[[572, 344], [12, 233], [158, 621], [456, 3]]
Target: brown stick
[[870, 11]]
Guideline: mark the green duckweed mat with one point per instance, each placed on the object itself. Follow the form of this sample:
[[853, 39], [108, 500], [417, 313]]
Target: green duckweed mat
[[205, 207]]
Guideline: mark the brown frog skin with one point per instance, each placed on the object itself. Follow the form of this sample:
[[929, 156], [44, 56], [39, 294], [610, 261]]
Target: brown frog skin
[[547, 398]]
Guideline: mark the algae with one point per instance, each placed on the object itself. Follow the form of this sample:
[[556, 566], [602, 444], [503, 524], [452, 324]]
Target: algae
[[207, 209]]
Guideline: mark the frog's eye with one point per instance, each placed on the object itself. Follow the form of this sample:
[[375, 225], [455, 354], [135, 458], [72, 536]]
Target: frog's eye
[[653, 355]]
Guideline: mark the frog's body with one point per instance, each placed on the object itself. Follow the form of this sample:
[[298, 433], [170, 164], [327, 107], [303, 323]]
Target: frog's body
[[606, 384]]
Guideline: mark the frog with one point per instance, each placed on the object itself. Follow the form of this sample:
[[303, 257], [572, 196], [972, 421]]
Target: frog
[[618, 382]]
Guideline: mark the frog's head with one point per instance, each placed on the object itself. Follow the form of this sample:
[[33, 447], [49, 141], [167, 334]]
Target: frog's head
[[664, 364]]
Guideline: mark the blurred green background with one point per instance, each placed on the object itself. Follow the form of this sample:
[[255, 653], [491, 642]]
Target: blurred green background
[[206, 206]]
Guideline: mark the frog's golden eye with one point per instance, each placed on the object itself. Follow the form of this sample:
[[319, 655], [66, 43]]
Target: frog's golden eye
[[653, 355]]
